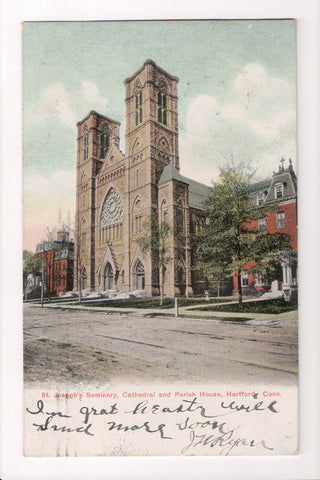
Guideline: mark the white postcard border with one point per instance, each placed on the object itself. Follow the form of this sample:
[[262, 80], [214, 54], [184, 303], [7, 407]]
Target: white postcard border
[[14, 465]]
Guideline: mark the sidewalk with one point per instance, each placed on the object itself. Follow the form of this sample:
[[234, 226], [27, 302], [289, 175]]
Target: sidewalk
[[191, 311]]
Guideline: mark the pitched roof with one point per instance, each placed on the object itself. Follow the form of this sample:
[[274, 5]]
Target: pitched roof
[[260, 186], [171, 173], [198, 192]]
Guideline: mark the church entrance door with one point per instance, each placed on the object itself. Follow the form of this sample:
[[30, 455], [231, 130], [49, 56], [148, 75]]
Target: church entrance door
[[139, 276], [108, 277]]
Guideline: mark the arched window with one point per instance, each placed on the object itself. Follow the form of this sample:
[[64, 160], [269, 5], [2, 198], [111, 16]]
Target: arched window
[[108, 277], [104, 144], [163, 145], [138, 100], [162, 107], [83, 177], [139, 274], [83, 233], [137, 224], [86, 146], [180, 217]]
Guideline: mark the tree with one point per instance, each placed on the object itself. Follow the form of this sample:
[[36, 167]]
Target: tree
[[155, 241], [211, 258], [228, 241], [31, 264]]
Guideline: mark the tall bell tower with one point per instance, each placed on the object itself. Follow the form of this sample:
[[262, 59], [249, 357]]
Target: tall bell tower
[[151, 144]]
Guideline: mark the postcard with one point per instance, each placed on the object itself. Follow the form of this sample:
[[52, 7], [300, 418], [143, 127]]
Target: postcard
[[160, 268]]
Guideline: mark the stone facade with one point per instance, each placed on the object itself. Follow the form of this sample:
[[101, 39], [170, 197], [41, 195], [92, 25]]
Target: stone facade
[[117, 192]]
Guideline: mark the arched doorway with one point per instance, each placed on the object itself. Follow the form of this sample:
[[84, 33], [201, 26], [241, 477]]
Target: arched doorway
[[108, 277], [139, 274], [84, 278], [181, 277]]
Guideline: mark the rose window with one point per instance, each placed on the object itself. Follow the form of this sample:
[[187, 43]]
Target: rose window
[[112, 211]]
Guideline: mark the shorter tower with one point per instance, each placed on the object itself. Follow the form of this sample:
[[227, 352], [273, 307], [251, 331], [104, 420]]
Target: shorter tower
[[95, 135]]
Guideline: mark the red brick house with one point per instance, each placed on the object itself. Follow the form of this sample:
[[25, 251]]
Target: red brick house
[[280, 189], [58, 260]]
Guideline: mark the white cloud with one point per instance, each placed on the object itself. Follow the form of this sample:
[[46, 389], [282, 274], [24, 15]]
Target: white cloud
[[55, 102], [257, 122], [254, 85]]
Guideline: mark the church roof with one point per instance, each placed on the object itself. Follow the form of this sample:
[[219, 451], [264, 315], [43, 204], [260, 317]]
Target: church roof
[[150, 62], [198, 192], [171, 173]]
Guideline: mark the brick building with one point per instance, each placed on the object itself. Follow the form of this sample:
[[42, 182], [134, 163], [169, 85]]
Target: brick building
[[57, 256], [279, 190]]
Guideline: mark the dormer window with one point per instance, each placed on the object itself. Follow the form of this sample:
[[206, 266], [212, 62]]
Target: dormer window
[[138, 98], [278, 190], [162, 107], [261, 198], [104, 144], [85, 146]]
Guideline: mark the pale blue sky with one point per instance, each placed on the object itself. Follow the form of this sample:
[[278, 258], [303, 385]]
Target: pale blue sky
[[236, 96]]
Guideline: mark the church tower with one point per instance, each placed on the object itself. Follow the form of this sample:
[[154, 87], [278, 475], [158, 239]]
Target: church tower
[[95, 135], [117, 192], [151, 144]]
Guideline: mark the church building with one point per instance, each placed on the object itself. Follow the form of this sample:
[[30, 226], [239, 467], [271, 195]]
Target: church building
[[116, 192]]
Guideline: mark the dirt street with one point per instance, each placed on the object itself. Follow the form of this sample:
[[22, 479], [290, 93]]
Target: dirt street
[[77, 347]]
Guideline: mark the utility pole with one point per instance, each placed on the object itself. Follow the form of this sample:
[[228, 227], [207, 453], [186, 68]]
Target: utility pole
[[80, 292], [176, 307], [42, 282]]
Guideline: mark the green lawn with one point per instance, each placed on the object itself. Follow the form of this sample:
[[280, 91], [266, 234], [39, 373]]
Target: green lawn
[[153, 302], [275, 306]]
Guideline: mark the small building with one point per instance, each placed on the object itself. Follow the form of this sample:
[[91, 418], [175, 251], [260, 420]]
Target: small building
[[280, 189], [58, 258]]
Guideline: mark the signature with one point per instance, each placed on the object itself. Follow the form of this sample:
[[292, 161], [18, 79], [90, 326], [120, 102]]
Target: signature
[[225, 440]]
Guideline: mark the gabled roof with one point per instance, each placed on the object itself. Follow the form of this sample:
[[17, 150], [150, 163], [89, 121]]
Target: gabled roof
[[198, 192], [263, 185], [171, 173], [113, 151]]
